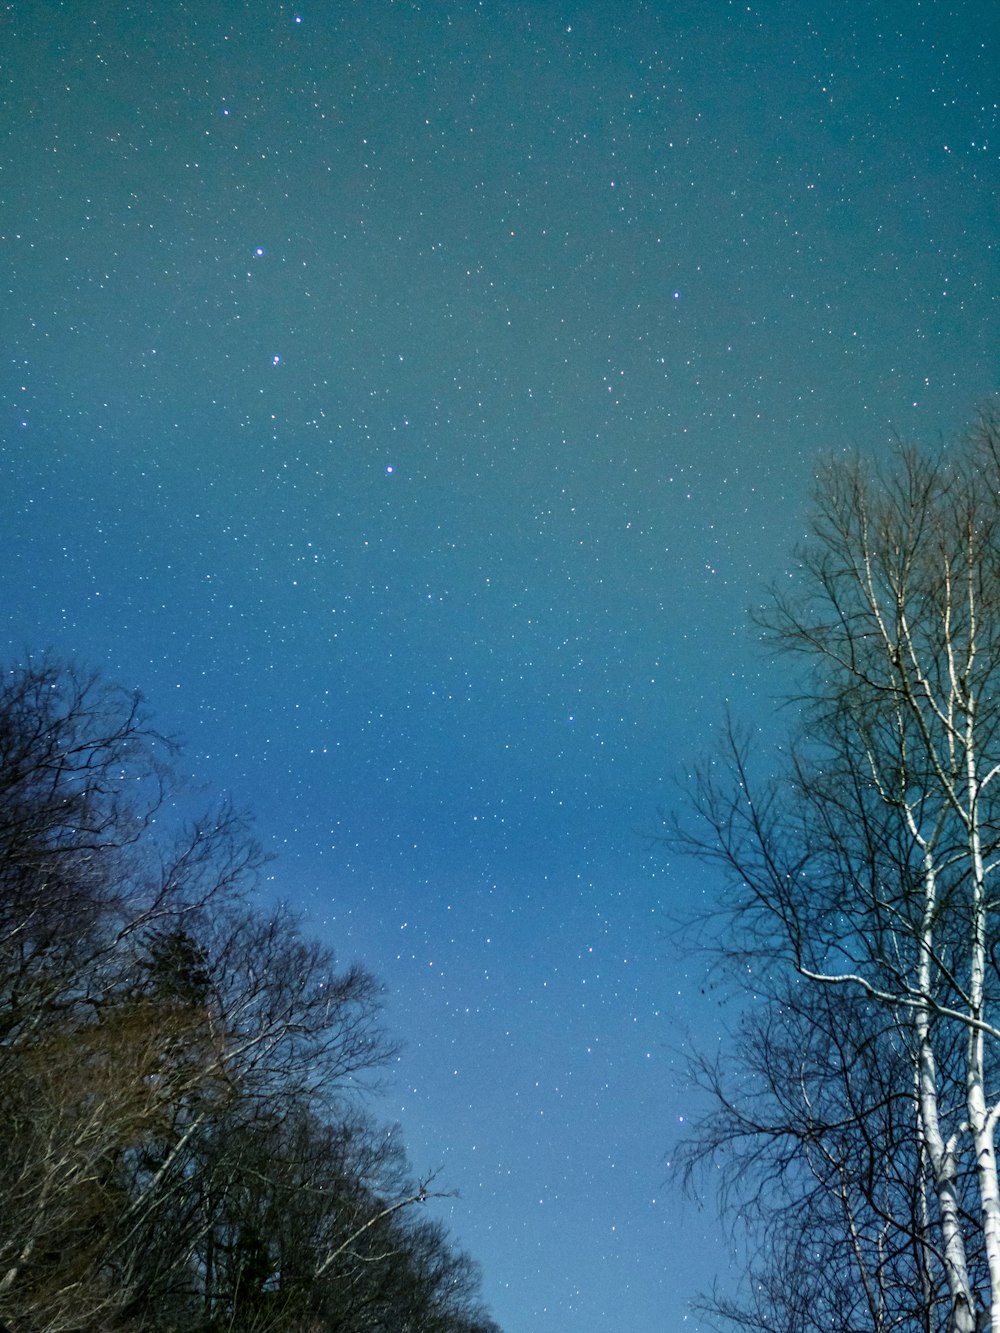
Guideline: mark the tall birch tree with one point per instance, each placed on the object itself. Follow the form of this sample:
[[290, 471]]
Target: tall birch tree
[[865, 875]]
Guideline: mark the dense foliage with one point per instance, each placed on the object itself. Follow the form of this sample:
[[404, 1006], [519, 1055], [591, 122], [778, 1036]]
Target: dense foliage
[[184, 1146]]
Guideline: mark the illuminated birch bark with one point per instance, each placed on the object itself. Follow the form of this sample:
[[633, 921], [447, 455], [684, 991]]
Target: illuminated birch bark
[[871, 866]]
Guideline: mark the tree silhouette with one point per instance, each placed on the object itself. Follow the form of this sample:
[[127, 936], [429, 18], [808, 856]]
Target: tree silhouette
[[179, 1070], [863, 906]]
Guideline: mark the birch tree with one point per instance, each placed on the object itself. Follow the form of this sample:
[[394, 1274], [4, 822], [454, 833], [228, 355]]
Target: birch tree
[[868, 866]]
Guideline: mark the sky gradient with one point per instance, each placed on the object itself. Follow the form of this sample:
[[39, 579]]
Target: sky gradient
[[409, 398]]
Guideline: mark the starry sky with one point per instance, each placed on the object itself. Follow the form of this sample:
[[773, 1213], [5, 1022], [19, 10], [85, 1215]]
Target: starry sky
[[409, 397]]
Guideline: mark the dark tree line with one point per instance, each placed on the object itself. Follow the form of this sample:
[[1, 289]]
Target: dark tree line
[[853, 1123], [183, 1143]]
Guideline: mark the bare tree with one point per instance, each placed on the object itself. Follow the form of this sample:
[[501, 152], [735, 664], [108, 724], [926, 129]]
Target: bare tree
[[812, 1135], [868, 867], [183, 1146]]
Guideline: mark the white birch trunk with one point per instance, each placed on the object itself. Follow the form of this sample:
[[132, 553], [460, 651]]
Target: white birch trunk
[[940, 1154], [981, 1118]]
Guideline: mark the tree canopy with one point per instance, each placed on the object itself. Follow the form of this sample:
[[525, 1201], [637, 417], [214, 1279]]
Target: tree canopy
[[184, 1145], [854, 1124]]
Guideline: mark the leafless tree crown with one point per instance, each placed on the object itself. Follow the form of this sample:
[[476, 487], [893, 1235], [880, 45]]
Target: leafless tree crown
[[854, 1130], [184, 1147]]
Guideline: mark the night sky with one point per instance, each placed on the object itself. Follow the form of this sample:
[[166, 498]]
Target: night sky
[[409, 398]]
